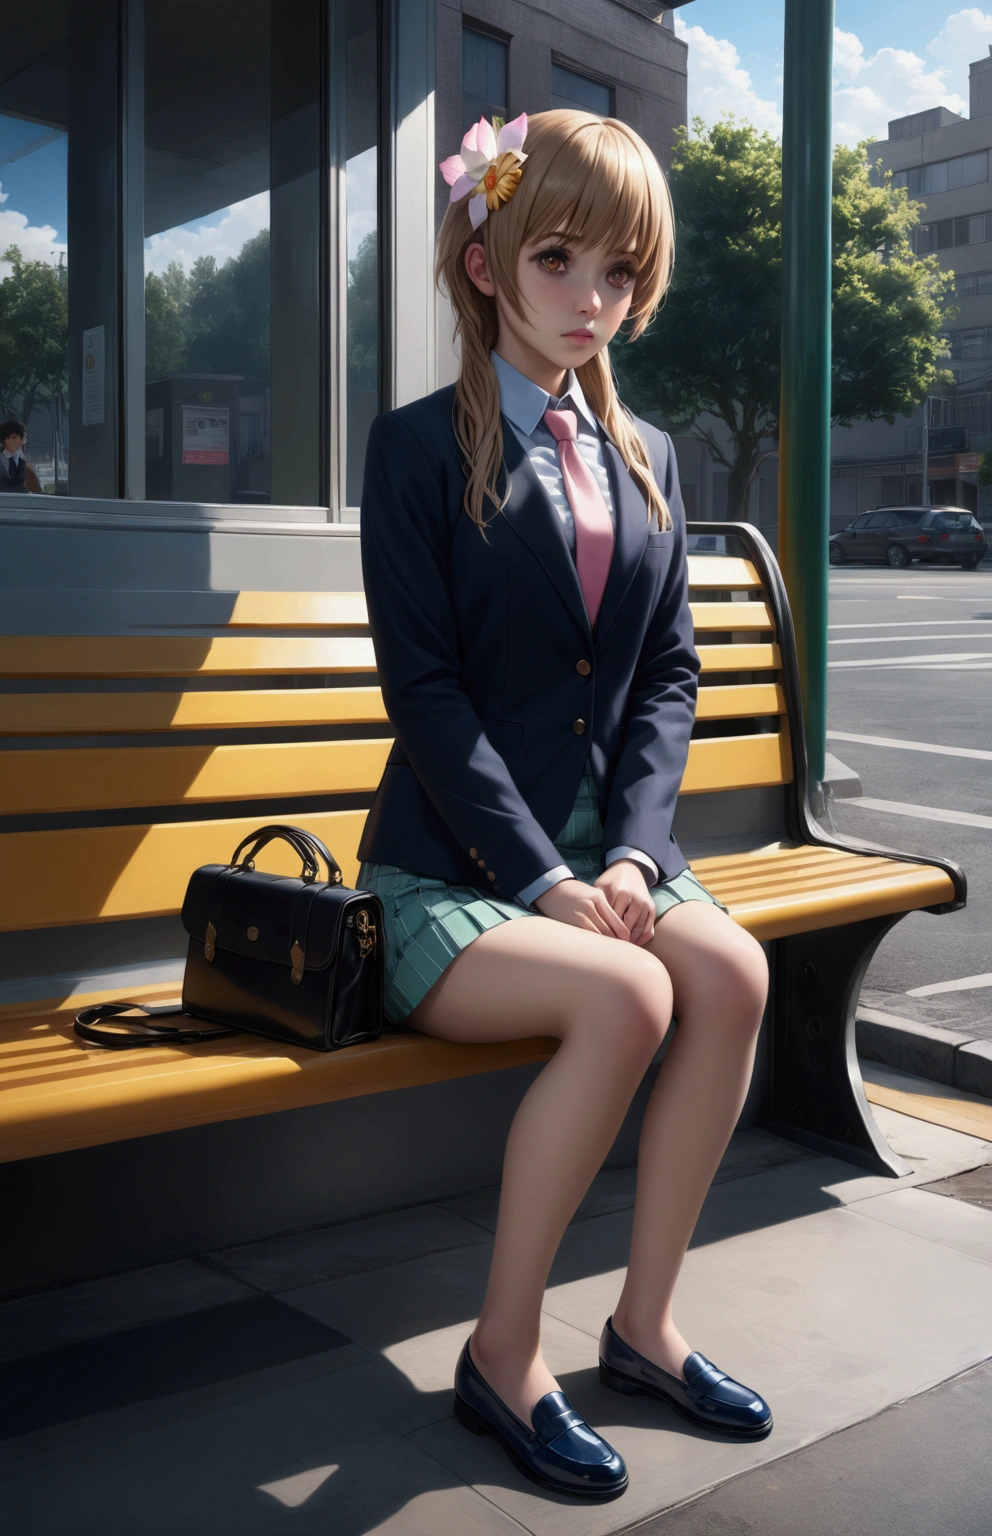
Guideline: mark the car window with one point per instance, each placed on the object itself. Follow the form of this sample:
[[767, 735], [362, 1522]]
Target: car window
[[909, 518], [879, 520], [862, 521], [947, 522]]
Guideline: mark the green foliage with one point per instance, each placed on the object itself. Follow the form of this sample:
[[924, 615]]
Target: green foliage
[[213, 319], [363, 316], [34, 336], [715, 348], [985, 469]]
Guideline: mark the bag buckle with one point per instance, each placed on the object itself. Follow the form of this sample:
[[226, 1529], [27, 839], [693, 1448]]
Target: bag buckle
[[298, 958], [366, 933]]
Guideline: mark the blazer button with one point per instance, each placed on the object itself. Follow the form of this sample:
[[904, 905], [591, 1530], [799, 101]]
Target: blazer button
[[579, 727], [490, 876], [482, 863], [473, 853], [583, 668]]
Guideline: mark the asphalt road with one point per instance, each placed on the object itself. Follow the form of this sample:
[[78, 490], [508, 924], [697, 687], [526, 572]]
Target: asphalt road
[[910, 659]]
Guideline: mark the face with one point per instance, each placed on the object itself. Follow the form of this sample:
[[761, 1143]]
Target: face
[[574, 300], [14, 443]]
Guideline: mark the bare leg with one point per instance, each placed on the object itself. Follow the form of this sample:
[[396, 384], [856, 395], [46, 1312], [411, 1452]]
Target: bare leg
[[610, 1004], [720, 981]]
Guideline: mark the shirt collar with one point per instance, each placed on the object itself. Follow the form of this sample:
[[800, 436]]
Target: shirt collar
[[18, 455], [524, 403]]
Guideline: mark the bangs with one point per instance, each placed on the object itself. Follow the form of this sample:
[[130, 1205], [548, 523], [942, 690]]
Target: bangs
[[596, 191]]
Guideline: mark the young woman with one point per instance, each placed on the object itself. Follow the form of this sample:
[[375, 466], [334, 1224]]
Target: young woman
[[524, 550]]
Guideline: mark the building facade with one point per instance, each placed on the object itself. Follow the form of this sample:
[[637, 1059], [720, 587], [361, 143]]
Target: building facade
[[945, 162], [224, 215]]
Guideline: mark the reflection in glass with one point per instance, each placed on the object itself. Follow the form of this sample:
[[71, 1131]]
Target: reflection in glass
[[569, 89], [207, 178], [484, 71], [34, 318], [362, 167]]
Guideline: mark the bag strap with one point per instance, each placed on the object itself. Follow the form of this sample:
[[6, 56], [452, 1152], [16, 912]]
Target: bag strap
[[309, 848], [140, 1032]]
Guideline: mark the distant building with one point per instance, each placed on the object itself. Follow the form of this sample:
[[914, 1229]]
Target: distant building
[[944, 161]]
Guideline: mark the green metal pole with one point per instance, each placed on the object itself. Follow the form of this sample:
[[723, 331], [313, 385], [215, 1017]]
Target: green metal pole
[[804, 442]]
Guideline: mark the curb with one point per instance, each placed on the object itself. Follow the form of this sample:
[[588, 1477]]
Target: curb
[[942, 1055]]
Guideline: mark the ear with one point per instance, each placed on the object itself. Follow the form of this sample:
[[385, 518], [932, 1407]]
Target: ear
[[475, 266]]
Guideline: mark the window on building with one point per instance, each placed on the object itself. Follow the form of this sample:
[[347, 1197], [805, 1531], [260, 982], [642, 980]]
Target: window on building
[[969, 345], [919, 122], [569, 89], [947, 233], [973, 285], [36, 104], [484, 77], [944, 175], [240, 278]]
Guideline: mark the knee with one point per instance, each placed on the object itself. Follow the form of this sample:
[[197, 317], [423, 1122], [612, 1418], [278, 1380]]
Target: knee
[[738, 975], [640, 1005]]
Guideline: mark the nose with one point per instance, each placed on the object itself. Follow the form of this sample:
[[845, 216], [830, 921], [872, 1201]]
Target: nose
[[591, 304]]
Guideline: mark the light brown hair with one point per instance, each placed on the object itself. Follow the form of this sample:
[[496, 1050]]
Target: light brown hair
[[592, 180]]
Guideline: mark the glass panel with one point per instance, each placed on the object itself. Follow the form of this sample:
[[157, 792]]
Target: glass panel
[[983, 283], [942, 234], [976, 228], [484, 77], [361, 171], [900, 179], [571, 90], [935, 177], [34, 316], [207, 180], [914, 180], [954, 172], [975, 168]]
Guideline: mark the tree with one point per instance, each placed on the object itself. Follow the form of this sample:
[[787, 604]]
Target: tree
[[715, 347], [363, 316], [212, 319], [34, 336]]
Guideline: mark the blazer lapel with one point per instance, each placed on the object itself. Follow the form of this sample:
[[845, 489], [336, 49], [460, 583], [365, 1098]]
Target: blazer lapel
[[531, 514], [631, 537]]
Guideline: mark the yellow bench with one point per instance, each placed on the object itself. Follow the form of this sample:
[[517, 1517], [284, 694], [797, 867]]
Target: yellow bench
[[277, 716]]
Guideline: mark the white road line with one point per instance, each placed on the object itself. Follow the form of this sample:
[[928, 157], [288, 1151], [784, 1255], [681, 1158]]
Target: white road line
[[922, 812], [910, 746], [903, 639], [911, 623], [907, 661], [966, 984]]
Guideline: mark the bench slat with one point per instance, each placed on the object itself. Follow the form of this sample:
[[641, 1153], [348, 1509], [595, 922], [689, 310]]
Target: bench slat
[[112, 714], [727, 572], [105, 778], [737, 762], [732, 616], [180, 656], [298, 610], [729, 701], [739, 658]]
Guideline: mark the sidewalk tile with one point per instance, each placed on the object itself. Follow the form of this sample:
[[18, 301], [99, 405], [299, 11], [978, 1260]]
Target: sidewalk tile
[[77, 1312], [950, 1222], [347, 1248]]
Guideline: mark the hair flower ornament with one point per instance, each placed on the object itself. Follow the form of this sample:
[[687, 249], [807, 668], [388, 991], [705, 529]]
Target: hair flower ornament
[[488, 167]]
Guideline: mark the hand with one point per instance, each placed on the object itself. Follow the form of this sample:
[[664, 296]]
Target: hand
[[572, 901], [626, 890]]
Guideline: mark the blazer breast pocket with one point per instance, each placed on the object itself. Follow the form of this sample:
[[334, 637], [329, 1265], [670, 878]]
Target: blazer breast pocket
[[660, 543]]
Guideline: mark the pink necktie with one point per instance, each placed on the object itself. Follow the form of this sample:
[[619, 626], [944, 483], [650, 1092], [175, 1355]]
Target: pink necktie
[[593, 524]]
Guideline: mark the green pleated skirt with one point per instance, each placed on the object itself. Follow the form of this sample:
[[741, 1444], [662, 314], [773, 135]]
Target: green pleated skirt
[[429, 922]]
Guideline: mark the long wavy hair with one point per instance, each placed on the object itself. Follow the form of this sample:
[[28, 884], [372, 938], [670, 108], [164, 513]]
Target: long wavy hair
[[593, 180]]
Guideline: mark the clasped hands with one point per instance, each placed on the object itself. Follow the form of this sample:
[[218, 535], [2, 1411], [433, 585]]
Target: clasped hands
[[618, 905]]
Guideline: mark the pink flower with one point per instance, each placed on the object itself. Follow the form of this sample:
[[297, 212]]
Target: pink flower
[[488, 166]]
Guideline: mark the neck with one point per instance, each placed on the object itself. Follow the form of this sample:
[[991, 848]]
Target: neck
[[546, 375]]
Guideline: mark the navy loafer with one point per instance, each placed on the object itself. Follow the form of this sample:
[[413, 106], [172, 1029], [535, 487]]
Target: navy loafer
[[707, 1397], [560, 1451]]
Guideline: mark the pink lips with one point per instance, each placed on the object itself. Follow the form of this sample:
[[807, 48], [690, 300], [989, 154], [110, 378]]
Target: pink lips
[[578, 335]]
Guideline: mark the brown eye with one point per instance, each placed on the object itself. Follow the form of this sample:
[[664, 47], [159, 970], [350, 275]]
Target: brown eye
[[620, 277], [552, 261]]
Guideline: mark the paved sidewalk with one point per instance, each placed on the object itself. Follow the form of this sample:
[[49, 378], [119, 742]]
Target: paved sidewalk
[[303, 1384]]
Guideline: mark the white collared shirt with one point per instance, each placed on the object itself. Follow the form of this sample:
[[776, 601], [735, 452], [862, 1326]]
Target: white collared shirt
[[524, 403]]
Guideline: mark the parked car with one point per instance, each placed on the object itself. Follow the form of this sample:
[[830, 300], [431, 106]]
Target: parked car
[[899, 535]]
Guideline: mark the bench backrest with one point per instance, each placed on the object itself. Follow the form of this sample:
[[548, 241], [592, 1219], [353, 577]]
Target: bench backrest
[[128, 760]]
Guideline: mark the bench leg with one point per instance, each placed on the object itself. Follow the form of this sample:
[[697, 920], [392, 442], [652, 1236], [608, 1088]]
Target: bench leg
[[817, 1096]]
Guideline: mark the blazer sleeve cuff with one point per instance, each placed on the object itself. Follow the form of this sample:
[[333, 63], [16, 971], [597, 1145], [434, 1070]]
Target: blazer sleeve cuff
[[543, 883], [649, 867]]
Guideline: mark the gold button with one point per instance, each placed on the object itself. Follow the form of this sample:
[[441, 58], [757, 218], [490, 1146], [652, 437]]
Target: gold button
[[253, 933], [583, 668], [490, 876], [482, 863], [473, 853], [579, 727]]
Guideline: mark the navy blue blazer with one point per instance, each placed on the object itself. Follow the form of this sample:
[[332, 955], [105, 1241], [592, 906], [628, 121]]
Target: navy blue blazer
[[496, 686]]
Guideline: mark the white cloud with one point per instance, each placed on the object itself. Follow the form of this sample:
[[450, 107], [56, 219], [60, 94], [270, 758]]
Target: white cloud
[[718, 83], [222, 240], [964, 37], [36, 242], [893, 82]]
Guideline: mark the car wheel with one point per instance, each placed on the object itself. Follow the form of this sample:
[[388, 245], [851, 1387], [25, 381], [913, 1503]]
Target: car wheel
[[897, 556], [836, 555], [972, 563]]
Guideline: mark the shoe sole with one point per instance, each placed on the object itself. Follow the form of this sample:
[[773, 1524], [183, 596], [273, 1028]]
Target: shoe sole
[[617, 1383], [473, 1421]]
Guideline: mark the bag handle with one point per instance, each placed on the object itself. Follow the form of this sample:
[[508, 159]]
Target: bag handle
[[140, 1032], [310, 849]]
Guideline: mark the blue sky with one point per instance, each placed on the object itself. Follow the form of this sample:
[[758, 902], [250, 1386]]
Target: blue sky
[[890, 59]]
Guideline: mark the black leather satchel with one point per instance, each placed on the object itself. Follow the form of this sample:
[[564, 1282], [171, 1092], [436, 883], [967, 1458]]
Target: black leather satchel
[[297, 959]]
